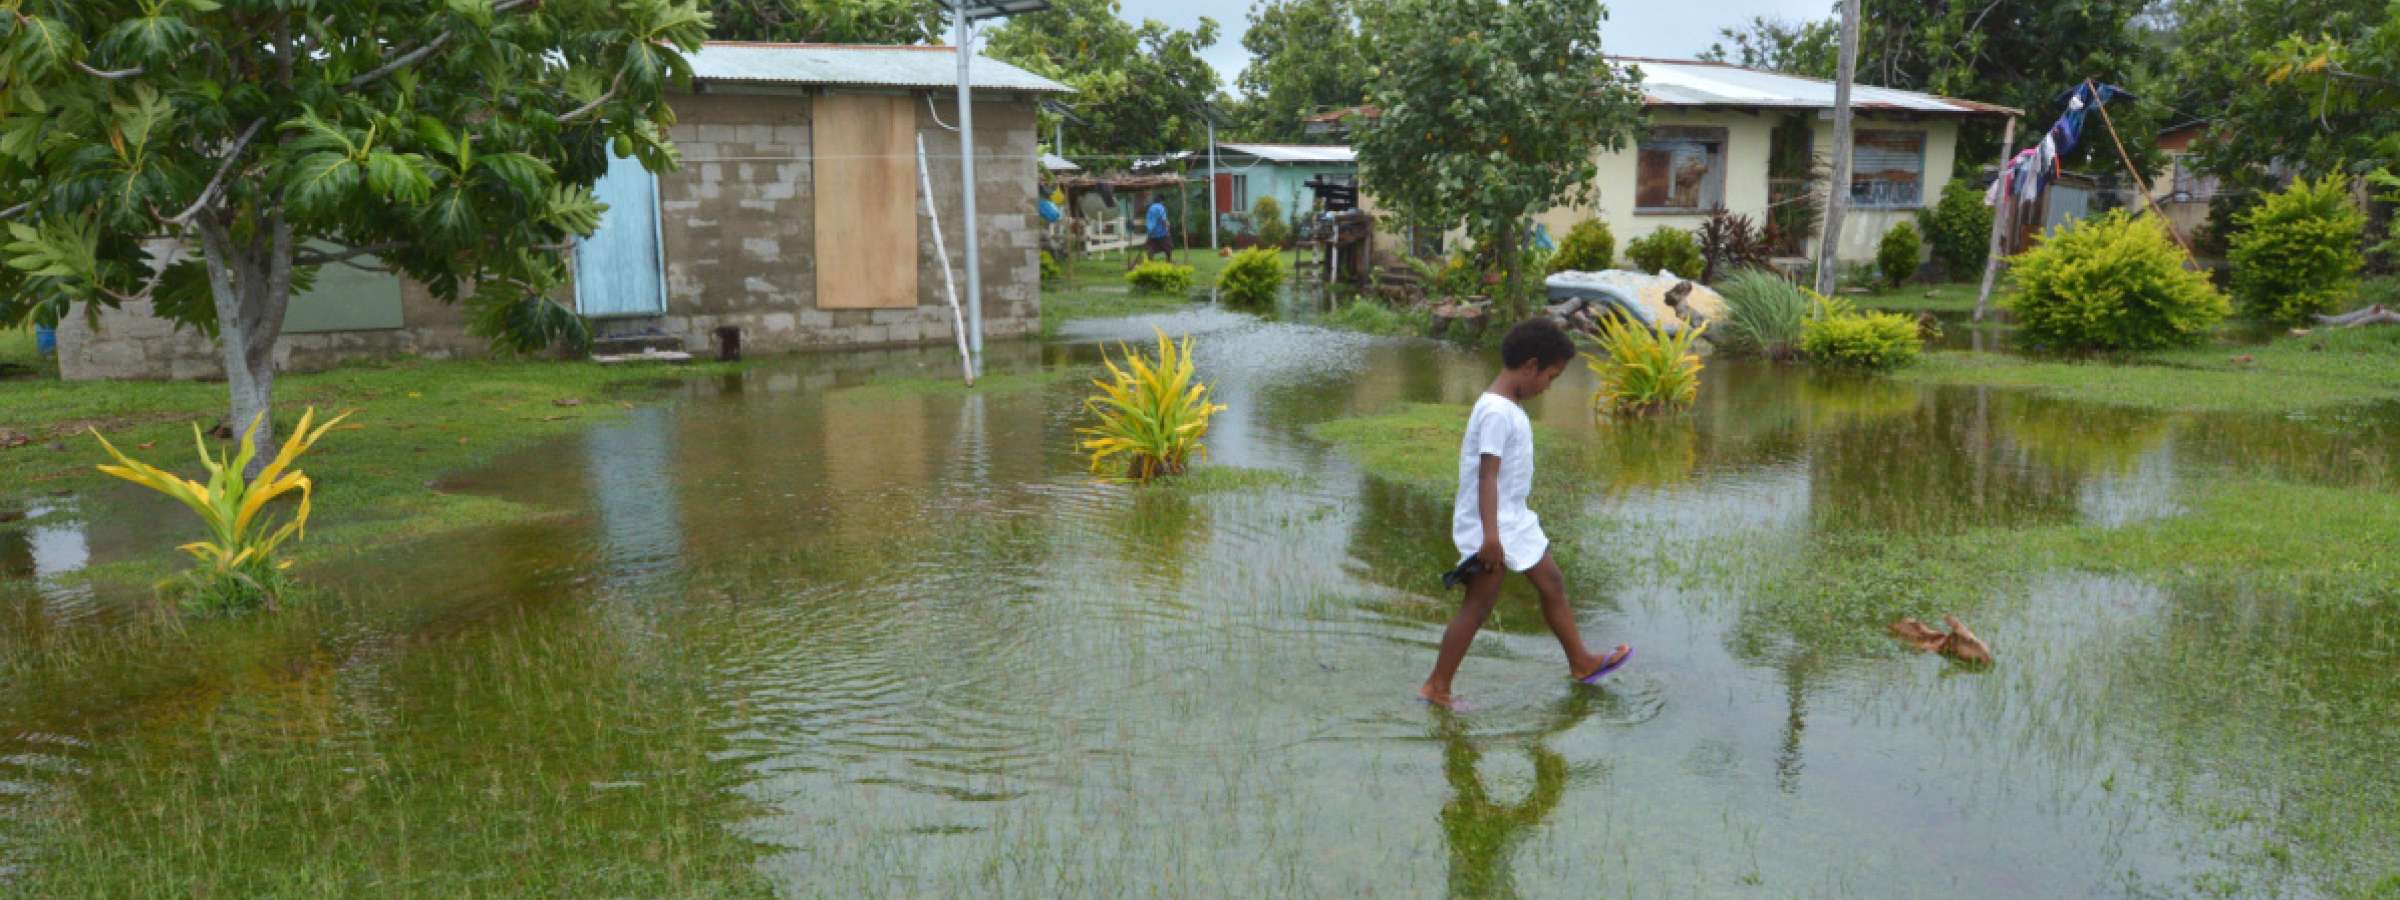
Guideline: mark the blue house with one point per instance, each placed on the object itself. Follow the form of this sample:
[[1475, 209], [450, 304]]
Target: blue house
[[1246, 172]]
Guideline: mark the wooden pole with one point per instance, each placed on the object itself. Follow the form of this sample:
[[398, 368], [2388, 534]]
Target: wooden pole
[[1837, 194], [2138, 183], [2003, 218], [958, 320]]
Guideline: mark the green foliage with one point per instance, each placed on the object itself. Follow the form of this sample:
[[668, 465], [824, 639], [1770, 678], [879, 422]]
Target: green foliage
[[1959, 227], [1589, 247], [1306, 57], [1150, 416], [1872, 341], [1492, 110], [1764, 313], [238, 568], [1667, 250], [829, 21], [1252, 279], [1807, 49], [2112, 282], [1273, 230], [1899, 255], [2312, 84], [2297, 253], [1367, 316], [1642, 372], [1137, 88], [1160, 277], [1051, 272], [528, 324], [1728, 242]]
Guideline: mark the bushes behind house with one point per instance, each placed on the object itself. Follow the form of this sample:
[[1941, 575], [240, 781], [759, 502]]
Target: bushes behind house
[[1667, 250], [1252, 278], [1589, 247], [1160, 277], [2112, 282], [2297, 253], [1897, 258], [1959, 227]]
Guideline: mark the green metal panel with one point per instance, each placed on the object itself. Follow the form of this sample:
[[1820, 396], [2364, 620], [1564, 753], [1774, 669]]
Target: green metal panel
[[346, 299]]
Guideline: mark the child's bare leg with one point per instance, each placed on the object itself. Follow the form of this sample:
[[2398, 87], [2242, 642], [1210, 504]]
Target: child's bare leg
[[1552, 585], [1482, 592]]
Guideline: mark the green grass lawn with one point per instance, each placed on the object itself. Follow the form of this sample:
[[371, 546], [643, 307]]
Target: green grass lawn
[[1915, 298], [1097, 290]]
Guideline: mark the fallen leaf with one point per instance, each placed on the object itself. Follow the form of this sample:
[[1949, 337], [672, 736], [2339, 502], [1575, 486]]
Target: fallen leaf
[[462, 442], [413, 395], [567, 401], [145, 445]]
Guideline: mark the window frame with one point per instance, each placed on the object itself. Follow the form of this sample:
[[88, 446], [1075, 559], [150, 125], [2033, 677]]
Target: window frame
[[1712, 186], [1923, 139]]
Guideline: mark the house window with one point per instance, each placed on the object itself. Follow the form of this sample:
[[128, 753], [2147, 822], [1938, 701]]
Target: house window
[[1682, 170], [1888, 170], [1233, 192]]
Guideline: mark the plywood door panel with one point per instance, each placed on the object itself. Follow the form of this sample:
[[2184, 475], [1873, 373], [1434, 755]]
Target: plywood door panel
[[866, 190]]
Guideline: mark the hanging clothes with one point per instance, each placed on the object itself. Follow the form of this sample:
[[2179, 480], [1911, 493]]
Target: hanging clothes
[[2026, 174]]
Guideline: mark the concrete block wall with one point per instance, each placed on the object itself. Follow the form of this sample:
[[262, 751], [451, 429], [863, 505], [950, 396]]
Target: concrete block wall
[[130, 342], [739, 223]]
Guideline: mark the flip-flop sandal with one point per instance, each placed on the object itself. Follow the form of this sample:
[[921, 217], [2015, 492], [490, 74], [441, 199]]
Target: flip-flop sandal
[[1606, 668]]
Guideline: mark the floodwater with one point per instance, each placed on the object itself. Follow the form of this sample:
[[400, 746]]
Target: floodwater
[[795, 632]]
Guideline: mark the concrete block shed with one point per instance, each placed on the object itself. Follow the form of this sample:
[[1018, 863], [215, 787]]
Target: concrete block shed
[[796, 216]]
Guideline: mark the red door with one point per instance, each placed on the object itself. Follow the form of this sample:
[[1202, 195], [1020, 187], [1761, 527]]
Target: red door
[[1224, 193]]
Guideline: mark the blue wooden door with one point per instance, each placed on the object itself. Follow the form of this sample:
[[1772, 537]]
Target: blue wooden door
[[617, 269]]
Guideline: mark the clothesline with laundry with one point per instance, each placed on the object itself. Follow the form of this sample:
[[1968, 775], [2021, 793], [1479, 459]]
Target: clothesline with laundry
[[2036, 167]]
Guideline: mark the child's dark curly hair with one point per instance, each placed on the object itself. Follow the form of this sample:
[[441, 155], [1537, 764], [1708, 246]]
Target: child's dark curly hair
[[1536, 339]]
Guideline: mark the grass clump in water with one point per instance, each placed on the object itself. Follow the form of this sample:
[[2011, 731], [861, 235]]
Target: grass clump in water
[[1370, 317]]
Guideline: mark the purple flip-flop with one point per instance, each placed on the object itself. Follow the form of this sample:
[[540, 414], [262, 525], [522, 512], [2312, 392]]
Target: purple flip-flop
[[1606, 668]]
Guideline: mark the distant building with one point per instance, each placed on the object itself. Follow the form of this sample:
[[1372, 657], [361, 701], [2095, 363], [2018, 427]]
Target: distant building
[[796, 217], [1246, 172]]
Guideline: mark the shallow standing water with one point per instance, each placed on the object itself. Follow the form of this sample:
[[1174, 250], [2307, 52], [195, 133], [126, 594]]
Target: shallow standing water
[[799, 632]]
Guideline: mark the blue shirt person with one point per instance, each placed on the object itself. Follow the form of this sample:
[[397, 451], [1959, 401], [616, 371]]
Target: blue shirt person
[[1156, 219]]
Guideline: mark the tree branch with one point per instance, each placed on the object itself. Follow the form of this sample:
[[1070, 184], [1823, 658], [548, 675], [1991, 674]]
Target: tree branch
[[112, 74], [321, 258], [411, 57], [15, 211], [586, 109], [231, 157]]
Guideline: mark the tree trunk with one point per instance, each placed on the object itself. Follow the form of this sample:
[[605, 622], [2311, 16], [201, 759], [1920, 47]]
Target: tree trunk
[[1513, 299], [1837, 194], [251, 282]]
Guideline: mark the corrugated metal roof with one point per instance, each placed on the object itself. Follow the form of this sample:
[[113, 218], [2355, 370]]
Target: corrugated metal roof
[[885, 66], [1686, 83], [1052, 162], [1326, 154]]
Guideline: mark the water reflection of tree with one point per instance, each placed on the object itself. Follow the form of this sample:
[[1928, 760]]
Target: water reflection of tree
[[1932, 467], [1483, 833]]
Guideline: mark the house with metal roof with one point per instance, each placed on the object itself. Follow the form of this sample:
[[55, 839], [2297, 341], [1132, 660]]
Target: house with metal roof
[[1714, 129], [1246, 172], [796, 218]]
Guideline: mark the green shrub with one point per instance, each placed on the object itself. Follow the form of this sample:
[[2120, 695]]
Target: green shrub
[[1160, 277], [1764, 313], [1667, 250], [1267, 215], [1369, 317], [2297, 253], [1899, 255], [1960, 229], [1050, 270], [2111, 282], [1589, 247], [1251, 279], [1873, 341]]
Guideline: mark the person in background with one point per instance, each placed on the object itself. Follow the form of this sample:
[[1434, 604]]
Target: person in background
[[1158, 245]]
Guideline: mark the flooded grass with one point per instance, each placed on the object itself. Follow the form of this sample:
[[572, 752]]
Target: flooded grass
[[826, 626], [1098, 290], [2313, 372]]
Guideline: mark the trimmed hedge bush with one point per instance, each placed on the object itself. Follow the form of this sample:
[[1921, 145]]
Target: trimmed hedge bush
[[1669, 250], [2112, 282], [1959, 227], [1273, 231], [1875, 341], [2297, 253], [1589, 247], [1251, 279], [1160, 277], [1899, 255]]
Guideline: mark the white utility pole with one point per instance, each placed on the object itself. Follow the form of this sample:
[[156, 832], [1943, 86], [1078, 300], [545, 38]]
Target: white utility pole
[[966, 183], [1212, 182], [1837, 195]]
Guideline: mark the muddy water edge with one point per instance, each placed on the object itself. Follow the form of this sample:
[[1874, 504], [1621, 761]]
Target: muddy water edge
[[808, 630]]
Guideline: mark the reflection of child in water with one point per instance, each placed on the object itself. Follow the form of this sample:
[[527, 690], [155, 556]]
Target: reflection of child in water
[[1489, 521], [1483, 834]]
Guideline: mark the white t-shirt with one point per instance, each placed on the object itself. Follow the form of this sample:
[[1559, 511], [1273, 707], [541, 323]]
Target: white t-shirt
[[1498, 427]]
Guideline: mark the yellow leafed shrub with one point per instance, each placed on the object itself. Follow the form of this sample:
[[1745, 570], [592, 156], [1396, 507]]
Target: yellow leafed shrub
[[237, 567], [1151, 414], [1643, 372]]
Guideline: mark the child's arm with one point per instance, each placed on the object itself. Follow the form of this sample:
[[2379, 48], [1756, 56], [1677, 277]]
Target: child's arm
[[1487, 503]]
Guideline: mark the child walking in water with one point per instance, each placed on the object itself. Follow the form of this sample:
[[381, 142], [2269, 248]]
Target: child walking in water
[[1489, 521]]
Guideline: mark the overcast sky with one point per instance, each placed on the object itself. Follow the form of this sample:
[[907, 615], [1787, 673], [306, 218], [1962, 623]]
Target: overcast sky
[[1665, 28]]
